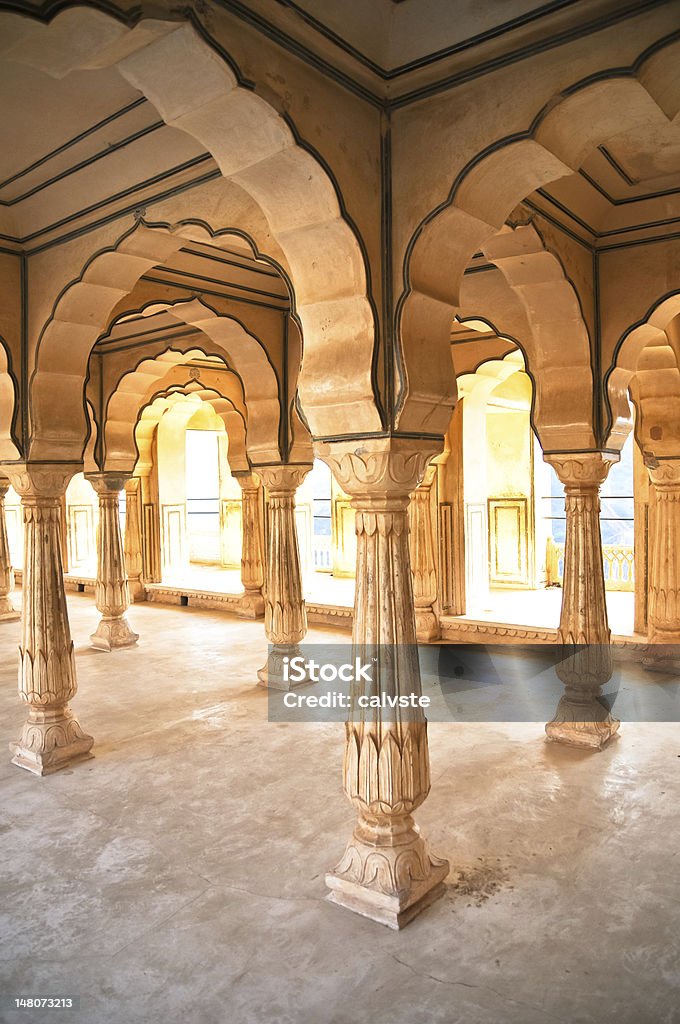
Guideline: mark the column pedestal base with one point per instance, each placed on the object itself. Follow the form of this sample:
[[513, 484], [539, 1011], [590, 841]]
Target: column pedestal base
[[252, 605], [587, 724], [271, 676], [388, 884], [9, 614], [137, 591], [662, 654], [427, 626], [112, 634], [50, 741]]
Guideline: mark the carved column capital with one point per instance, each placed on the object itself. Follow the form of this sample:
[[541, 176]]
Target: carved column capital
[[380, 469], [582, 470], [247, 481], [284, 478], [108, 483], [663, 473], [46, 481]]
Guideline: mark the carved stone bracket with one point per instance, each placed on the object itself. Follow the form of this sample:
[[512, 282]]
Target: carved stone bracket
[[52, 737], [111, 591], [582, 718], [387, 872]]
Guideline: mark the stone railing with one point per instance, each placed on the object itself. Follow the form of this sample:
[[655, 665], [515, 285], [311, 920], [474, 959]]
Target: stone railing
[[619, 570]]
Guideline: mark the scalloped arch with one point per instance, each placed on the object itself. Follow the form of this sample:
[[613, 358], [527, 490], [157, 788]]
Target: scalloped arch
[[8, 408], [651, 333], [149, 416], [531, 302], [245, 354], [484, 194], [153, 377], [196, 90], [82, 312]]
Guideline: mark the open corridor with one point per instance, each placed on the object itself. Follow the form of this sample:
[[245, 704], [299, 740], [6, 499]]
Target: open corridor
[[179, 875]]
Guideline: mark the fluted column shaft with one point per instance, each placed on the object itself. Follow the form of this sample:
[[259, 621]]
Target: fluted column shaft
[[582, 719], [423, 560], [132, 546], [7, 609], [285, 615], [387, 872], [111, 590], [664, 569], [252, 551], [52, 737]]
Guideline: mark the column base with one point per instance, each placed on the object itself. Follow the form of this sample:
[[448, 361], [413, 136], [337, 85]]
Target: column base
[[112, 634], [388, 884], [427, 626], [8, 613], [50, 741], [137, 591], [252, 605], [662, 654], [587, 724], [271, 674]]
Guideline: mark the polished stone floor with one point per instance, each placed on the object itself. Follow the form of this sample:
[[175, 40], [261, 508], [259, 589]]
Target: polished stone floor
[[178, 875]]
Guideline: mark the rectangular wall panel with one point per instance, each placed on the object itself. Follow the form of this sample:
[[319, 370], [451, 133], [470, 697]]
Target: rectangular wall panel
[[82, 544], [508, 542]]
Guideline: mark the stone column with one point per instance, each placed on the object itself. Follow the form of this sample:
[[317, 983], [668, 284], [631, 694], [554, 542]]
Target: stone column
[[64, 534], [423, 559], [111, 591], [285, 615], [7, 610], [52, 737], [643, 495], [664, 567], [134, 562], [387, 872], [582, 720], [151, 535], [252, 551]]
